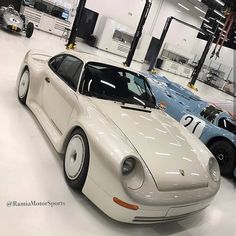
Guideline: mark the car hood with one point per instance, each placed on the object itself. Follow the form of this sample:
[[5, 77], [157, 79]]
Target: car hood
[[169, 151]]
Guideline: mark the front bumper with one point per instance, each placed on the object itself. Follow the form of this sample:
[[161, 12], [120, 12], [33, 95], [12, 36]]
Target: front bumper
[[13, 28], [145, 214]]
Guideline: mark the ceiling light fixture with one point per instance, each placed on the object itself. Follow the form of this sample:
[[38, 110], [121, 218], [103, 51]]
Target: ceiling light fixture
[[220, 2], [183, 6], [219, 13], [220, 22], [207, 26], [178, 11], [210, 31], [221, 29], [204, 19], [200, 10]]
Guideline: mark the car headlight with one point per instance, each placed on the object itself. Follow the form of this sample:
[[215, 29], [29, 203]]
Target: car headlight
[[128, 166], [214, 169], [133, 173]]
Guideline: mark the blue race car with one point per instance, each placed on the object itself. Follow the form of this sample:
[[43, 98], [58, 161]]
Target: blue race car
[[213, 126]]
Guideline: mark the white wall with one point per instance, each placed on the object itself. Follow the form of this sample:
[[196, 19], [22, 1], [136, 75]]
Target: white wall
[[127, 12]]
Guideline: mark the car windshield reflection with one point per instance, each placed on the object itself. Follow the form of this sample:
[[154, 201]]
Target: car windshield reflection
[[113, 83]]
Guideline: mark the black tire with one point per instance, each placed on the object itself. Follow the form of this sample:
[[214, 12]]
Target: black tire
[[224, 152], [77, 182], [23, 18], [22, 98], [29, 29]]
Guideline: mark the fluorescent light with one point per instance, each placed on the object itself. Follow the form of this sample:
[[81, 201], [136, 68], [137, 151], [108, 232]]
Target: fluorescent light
[[207, 26], [204, 19], [234, 41], [219, 13], [220, 22], [220, 2], [183, 6], [200, 0], [226, 40], [200, 10], [200, 32], [210, 31], [221, 29], [179, 11]]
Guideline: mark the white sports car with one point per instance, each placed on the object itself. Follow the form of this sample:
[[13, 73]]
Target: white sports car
[[137, 164]]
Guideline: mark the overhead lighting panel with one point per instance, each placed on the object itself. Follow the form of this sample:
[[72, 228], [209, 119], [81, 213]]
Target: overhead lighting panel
[[204, 19], [207, 26], [221, 29], [210, 31], [221, 23], [219, 13], [220, 2], [187, 9], [199, 9]]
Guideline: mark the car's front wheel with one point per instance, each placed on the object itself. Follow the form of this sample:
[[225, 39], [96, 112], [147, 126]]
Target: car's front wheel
[[224, 152], [29, 29], [23, 86], [76, 160]]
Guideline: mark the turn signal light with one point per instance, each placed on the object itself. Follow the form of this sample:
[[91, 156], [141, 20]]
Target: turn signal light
[[125, 204]]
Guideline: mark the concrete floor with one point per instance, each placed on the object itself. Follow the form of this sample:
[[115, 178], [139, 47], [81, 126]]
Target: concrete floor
[[30, 169]]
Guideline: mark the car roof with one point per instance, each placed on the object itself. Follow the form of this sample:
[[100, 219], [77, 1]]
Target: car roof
[[89, 57]]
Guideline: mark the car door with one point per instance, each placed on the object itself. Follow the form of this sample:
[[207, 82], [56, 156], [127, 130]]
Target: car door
[[59, 91]]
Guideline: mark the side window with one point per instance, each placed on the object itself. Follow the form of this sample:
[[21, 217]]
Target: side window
[[69, 70], [55, 62]]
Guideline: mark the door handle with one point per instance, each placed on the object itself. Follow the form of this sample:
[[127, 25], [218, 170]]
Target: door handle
[[47, 80]]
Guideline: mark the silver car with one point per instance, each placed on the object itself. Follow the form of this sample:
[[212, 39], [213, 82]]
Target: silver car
[[11, 20]]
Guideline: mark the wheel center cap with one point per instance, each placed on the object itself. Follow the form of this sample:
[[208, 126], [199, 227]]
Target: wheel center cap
[[221, 157], [74, 157]]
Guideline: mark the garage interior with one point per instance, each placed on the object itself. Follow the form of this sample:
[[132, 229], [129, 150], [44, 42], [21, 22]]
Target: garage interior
[[30, 168]]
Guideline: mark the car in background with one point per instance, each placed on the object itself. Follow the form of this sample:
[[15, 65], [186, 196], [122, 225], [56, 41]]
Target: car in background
[[132, 160], [212, 125], [11, 20]]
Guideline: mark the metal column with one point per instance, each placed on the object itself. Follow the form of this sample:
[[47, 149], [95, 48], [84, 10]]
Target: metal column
[[138, 33], [73, 34], [198, 68]]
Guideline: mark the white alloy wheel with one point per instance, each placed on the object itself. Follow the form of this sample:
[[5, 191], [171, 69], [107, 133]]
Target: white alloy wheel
[[23, 85], [74, 158]]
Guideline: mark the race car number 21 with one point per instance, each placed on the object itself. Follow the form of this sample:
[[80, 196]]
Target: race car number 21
[[193, 124]]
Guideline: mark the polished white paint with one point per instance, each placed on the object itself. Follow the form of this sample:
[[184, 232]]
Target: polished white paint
[[172, 187], [31, 169]]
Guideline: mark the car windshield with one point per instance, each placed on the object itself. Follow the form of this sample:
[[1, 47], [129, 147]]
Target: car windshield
[[117, 84]]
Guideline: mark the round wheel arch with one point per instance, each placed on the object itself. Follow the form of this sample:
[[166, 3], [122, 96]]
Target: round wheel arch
[[69, 135]]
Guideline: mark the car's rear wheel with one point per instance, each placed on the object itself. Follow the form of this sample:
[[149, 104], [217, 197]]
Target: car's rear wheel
[[29, 29], [76, 160], [224, 152], [23, 86]]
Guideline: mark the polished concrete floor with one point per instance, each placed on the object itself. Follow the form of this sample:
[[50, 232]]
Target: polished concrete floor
[[31, 170]]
